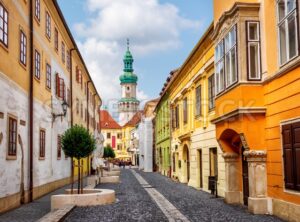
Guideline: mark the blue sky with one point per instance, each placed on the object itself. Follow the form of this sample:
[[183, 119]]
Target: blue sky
[[162, 34]]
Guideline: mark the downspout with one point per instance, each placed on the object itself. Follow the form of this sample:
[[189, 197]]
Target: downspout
[[31, 104], [88, 120], [71, 84], [71, 92], [87, 104], [94, 107]]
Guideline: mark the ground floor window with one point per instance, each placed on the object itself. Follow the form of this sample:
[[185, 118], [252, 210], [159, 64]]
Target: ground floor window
[[291, 155], [213, 161]]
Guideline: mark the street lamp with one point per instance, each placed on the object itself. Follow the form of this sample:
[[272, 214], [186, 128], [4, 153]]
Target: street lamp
[[64, 107]]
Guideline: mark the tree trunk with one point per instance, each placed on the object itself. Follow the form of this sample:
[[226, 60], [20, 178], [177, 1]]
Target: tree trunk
[[78, 176], [82, 177], [72, 175]]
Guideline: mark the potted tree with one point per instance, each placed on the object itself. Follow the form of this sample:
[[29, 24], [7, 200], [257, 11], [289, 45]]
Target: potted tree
[[109, 154], [78, 143]]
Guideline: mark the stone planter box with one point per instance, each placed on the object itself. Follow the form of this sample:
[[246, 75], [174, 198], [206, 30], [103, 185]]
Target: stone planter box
[[111, 173], [90, 197], [110, 179]]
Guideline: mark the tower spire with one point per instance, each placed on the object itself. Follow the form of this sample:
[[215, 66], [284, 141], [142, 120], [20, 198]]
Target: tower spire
[[128, 44]]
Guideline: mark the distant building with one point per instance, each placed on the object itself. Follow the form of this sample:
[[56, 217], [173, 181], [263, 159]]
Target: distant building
[[128, 136], [128, 105], [111, 131], [146, 137]]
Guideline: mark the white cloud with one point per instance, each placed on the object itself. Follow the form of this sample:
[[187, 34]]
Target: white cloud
[[150, 25]]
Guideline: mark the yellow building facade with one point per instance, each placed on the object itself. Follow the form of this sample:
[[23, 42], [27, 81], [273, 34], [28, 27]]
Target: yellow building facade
[[38, 68], [257, 103], [195, 152]]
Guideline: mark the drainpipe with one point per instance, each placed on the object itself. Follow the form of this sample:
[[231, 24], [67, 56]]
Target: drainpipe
[[88, 120], [31, 104], [94, 107], [71, 92], [87, 105], [71, 84]]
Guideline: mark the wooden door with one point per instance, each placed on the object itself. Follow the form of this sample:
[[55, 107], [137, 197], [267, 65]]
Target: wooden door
[[245, 178], [188, 164], [200, 169]]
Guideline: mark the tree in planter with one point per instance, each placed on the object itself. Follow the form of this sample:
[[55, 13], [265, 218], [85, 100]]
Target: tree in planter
[[78, 143], [109, 153]]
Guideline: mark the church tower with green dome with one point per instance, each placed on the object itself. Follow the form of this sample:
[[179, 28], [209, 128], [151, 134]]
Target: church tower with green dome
[[128, 105]]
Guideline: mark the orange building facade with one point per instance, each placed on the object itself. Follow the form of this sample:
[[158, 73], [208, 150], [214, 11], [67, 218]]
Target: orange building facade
[[258, 102]]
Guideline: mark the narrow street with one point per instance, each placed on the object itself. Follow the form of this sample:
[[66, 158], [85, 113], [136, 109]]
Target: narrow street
[[169, 201]]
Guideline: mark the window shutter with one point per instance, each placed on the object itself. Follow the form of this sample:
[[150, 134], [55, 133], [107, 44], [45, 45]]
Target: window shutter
[[296, 147], [57, 84], [288, 156], [77, 74], [69, 97], [63, 90]]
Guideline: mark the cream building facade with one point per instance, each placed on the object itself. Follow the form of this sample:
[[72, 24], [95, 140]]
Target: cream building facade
[[37, 75], [196, 155]]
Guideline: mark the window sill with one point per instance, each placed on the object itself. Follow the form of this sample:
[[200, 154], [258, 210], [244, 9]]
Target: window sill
[[42, 158], [9, 157], [293, 192], [48, 89], [37, 79], [23, 65], [48, 37], [38, 21], [236, 85], [291, 65], [211, 110], [2, 45]]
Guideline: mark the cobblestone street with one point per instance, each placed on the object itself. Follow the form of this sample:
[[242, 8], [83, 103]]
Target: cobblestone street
[[135, 204]]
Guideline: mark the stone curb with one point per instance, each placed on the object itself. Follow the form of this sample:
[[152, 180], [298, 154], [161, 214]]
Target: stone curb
[[57, 215]]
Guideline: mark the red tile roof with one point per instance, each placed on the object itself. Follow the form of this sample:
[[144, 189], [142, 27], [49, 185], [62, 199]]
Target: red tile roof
[[135, 119], [107, 121]]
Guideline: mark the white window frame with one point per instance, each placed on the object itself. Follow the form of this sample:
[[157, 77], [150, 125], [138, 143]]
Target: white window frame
[[253, 42], [48, 25], [285, 20], [229, 51], [38, 9], [4, 29], [219, 58]]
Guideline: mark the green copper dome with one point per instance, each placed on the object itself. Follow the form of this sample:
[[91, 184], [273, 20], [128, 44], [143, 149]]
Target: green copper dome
[[128, 75]]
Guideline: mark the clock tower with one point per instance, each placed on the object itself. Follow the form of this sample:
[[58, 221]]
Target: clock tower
[[128, 105]]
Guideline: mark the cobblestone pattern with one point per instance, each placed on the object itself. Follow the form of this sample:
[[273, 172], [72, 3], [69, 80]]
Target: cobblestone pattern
[[133, 204], [57, 215], [171, 212], [201, 206], [32, 211]]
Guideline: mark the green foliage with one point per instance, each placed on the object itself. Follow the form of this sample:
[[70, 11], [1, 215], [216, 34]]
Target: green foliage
[[77, 142], [109, 152]]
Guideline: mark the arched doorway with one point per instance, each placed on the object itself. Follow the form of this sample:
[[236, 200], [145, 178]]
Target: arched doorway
[[236, 166], [186, 159]]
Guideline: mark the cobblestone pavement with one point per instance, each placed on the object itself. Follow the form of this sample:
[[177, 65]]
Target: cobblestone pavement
[[31, 211], [198, 205], [133, 204]]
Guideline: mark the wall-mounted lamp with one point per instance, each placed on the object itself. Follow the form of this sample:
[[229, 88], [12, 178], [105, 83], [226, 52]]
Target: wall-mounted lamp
[[64, 107]]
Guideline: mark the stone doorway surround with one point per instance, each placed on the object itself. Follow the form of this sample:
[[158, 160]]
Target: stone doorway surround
[[232, 187], [257, 169], [257, 201]]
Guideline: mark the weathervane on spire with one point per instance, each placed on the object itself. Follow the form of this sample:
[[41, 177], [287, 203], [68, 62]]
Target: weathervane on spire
[[127, 43]]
